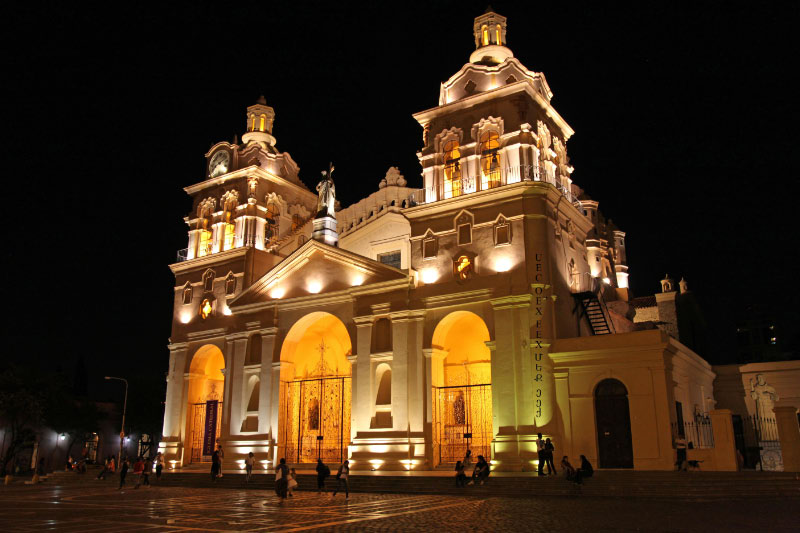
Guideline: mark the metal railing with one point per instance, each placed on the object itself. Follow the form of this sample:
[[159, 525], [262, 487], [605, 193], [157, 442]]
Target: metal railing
[[697, 433], [469, 184]]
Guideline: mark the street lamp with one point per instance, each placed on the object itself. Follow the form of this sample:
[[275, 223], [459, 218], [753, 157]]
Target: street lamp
[[124, 408]]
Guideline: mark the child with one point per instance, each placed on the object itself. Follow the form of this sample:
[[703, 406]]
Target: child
[[292, 481]]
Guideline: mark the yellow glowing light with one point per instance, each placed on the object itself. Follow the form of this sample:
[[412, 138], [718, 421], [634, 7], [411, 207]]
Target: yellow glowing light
[[205, 309], [358, 280], [503, 264], [277, 293], [185, 317], [463, 267], [314, 287], [226, 311], [429, 275], [607, 281]]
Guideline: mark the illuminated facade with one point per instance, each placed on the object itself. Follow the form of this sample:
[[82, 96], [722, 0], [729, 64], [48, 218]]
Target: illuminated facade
[[484, 308]]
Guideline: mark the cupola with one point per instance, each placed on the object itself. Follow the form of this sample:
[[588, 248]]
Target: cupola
[[259, 124], [490, 39]]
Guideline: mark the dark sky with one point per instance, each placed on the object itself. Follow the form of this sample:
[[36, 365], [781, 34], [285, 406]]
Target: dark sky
[[685, 117]]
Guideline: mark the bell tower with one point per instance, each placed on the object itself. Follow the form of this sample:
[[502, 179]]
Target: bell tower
[[490, 39], [260, 118]]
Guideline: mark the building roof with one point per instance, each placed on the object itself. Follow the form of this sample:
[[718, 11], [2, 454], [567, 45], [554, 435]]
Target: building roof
[[643, 301]]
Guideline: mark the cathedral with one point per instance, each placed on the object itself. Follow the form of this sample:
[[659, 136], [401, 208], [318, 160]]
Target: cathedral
[[487, 307]]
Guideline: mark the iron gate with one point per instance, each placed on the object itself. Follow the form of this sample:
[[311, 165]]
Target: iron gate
[[462, 420], [315, 420], [198, 425]]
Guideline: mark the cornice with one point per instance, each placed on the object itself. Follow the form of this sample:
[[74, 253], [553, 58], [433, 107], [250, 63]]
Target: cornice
[[207, 260], [247, 172], [457, 298], [207, 334]]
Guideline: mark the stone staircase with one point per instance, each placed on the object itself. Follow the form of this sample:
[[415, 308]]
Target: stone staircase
[[691, 486]]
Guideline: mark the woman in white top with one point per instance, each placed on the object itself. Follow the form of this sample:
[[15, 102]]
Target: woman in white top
[[341, 476]]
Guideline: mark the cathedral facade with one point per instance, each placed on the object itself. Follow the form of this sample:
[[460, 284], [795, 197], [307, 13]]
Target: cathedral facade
[[474, 313]]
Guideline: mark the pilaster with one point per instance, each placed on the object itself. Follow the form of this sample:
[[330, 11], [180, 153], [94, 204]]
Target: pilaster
[[362, 375]]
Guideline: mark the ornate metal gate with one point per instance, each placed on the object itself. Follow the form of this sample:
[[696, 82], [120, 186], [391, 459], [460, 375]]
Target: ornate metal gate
[[315, 419], [198, 425], [462, 419]]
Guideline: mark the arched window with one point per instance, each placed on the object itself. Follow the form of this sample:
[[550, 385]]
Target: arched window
[[452, 170], [262, 125], [485, 35], [230, 233], [208, 280], [204, 243], [255, 390], [187, 293], [384, 375], [252, 123], [497, 35], [490, 160]]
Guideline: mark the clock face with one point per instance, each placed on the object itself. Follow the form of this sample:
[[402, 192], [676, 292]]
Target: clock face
[[219, 163]]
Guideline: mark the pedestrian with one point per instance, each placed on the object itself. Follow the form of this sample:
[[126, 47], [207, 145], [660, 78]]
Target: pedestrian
[[549, 450], [148, 469], [215, 466], [461, 477], [159, 465], [123, 471], [323, 471], [104, 471], [569, 471], [292, 484], [281, 479], [586, 469], [467, 462], [112, 465], [138, 469], [249, 461], [482, 470], [680, 447], [540, 453], [341, 476], [221, 456]]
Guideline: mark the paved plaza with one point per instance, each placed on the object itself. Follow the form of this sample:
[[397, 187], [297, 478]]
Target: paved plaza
[[101, 508]]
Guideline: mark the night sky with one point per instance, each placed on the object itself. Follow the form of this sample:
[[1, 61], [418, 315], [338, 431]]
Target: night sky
[[685, 117]]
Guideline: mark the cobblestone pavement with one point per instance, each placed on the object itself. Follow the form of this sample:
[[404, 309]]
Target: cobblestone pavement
[[81, 508]]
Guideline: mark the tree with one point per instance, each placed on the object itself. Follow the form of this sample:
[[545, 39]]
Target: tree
[[20, 411], [68, 414]]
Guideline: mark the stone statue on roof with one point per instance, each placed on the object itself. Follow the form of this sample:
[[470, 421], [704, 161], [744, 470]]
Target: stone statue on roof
[[327, 194]]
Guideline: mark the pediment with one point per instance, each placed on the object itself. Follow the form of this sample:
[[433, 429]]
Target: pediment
[[316, 269]]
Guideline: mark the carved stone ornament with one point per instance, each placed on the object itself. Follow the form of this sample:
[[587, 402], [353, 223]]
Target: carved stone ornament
[[326, 201]]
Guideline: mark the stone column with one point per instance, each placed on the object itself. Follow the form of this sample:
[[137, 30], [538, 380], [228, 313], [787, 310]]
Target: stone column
[[236, 348], [407, 344], [362, 375], [265, 377], [275, 407], [401, 373], [724, 442], [789, 435], [175, 399]]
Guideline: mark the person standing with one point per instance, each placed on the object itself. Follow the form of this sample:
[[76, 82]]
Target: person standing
[[322, 472], [123, 471], [215, 466], [248, 466], [159, 465], [342, 476], [549, 451], [221, 456], [540, 453], [148, 469], [281, 479]]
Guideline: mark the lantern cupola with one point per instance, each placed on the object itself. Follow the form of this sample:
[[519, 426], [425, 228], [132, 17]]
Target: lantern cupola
[[260, 118], [490, 39]]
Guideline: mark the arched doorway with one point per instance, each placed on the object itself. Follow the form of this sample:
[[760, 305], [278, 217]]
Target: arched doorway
[[206, 387], [612, 417], [316, 390], [462, 388]]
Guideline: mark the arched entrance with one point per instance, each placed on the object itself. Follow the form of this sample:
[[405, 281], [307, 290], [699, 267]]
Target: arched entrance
[[316, 390], [462, 388], [206, 384], [612, 417]]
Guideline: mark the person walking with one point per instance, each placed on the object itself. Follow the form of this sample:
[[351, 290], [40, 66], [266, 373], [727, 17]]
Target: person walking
[[549, 451], [159, 465], [148, 469], [342, 476], [215, 466], [281, 479], [461, 477], [586, 469], [248, 466], [540, 453], [123, 472], [322, 473], [292, 484], [104, 471], [138, 469]]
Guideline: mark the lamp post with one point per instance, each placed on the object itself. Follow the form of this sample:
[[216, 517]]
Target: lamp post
[[124, 408]]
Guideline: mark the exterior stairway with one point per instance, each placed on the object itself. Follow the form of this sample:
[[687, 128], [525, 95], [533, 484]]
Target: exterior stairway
[[595, 312], [677, 486]]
